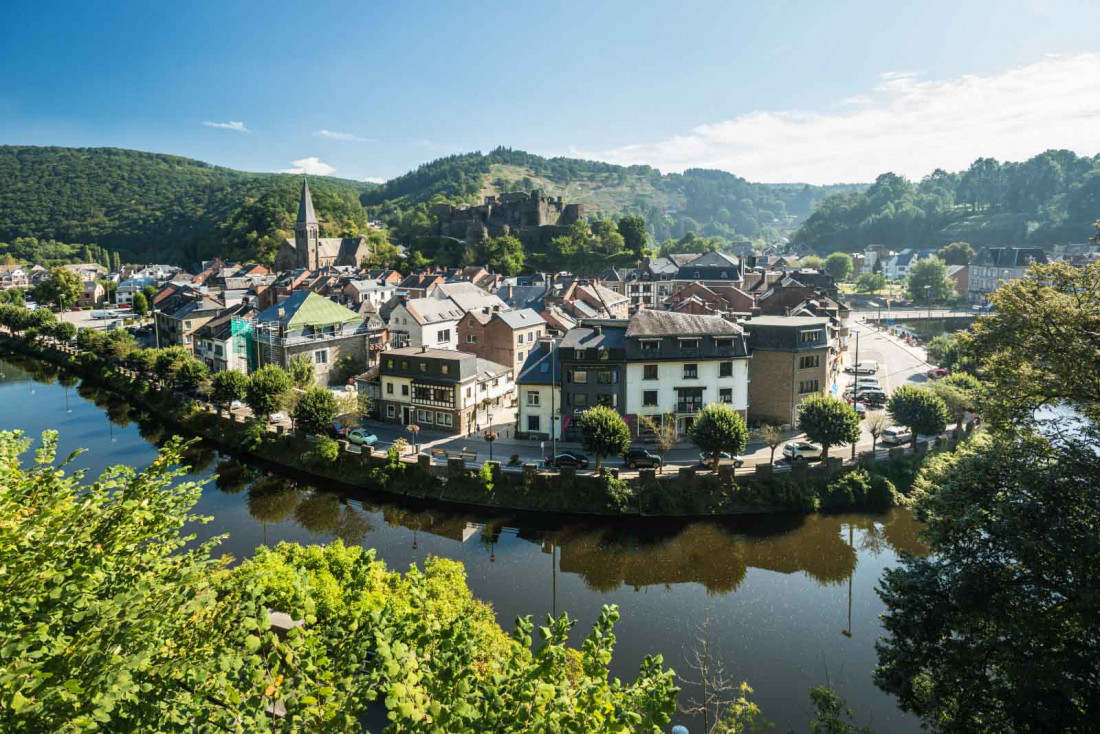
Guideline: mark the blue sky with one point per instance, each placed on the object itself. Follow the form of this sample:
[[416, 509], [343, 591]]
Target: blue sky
[[774, 91]]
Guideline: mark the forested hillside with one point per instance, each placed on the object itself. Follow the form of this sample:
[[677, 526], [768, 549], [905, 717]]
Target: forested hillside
[[1049, 199], [150, 206], [710, 203]]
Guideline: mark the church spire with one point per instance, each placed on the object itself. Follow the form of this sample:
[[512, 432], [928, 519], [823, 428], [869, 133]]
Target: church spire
[[306, 215]]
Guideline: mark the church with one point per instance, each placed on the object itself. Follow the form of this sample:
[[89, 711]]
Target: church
[[309, 250]]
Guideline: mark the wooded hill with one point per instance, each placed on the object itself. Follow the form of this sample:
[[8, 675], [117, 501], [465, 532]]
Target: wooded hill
[[151, 206], [1053, 198]]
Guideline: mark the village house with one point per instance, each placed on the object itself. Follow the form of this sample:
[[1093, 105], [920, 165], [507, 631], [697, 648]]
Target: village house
[[538, 393], [180, 313], [431, 322], [445, 390], [678, 363], [222, 342], [333, 338], [792, 358], [593, 370], [992, 265], [505, 337]]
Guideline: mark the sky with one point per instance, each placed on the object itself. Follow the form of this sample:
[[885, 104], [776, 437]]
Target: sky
[[774, 91]]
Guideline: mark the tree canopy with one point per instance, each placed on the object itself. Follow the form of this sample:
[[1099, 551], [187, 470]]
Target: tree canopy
[[719, 428], [828, 420], [604, 432], [928, 281]]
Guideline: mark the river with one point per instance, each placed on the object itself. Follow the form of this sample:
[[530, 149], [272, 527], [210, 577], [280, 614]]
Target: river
[[788, 601]]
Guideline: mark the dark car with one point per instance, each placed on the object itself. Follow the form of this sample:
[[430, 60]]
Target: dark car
[[640, 458], [567, 459], [338, 431]]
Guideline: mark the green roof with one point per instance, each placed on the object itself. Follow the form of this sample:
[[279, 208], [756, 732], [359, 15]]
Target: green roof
[[305, 308]]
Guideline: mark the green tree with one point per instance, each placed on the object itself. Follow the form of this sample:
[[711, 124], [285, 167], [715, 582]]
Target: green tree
[[632, 229], [956, 253], [603, 433], [168, 362], [150, 293], [719, 428], [832, 715], [921, 411], [229, 385], [870, 282], [316, 410], [957, 400], [828, 420], [839, 265], [930, 272], [1041, 342], [995, 630], [62, 286], [504, 255], [192, 374], [139, 304], [301, 370], [266, 389], [64, 331], [813, 262]]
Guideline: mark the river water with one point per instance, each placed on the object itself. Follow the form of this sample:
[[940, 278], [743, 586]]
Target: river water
[[788, 602]]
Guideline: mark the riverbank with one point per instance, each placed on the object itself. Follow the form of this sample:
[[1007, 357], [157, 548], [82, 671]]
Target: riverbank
[[834, 485]]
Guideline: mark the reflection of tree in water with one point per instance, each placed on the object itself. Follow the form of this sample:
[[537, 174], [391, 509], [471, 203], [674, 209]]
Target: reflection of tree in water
[[198, 457], [68, 380], [272, 499], [151, 429], [324, 513], [232, 476], [44, 373], [118, 411]]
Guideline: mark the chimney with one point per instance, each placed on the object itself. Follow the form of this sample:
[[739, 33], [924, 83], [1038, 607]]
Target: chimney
[[423, 348], [598, 329]]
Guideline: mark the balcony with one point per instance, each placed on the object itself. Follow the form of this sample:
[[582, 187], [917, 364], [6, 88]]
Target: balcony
[[690, 407]]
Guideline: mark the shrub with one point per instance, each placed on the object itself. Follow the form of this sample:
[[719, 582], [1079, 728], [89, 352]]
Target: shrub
[[485, 474], [615, 490], [848, 490], [251, 436], [325, 451]]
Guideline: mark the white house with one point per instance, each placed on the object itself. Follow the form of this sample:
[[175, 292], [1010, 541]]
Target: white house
[[425, 322]]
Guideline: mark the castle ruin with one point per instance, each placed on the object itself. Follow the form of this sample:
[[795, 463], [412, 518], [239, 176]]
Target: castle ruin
[[534, 218]]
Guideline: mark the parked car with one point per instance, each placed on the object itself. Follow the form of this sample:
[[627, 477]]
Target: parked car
[[936, 373], [567, 458], [360, 437], [276, 418], [896, 435], [338, 431], [641, 459], [861, 410], [872, 397], [723, 458], [799, 450], [863, 382], [236, 405], [867, 367]]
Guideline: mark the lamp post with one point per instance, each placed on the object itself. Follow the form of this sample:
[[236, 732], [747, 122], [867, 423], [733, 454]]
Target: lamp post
[[928, 298], [490, 437], [415, 431]]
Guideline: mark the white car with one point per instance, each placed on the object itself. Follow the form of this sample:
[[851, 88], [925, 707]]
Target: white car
[[895, 436], [236, 405], [865, 382], [868, 367], [800, 450], [276, 417]]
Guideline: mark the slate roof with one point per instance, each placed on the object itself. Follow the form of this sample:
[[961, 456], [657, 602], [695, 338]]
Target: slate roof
[[468, 296], [1009, 257], [536, 369], [586, 337], [433, 310], [650, 322], [305, 205], [521, 319]]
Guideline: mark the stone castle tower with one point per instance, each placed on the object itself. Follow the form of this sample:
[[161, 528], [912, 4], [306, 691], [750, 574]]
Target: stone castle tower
[[306, 230]]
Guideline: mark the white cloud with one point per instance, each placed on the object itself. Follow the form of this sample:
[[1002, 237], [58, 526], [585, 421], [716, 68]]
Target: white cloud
[[905, 124], [312, 166], [231, 125], [334, 135]]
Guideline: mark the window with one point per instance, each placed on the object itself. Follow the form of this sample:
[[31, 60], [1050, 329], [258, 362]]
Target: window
[[725, 369], [533, 398], [443, 419], [534, 423], [469, 392], [405, 391], [809, 336], [607, 401], [649, 398], [389, 388], [809, 361], [496, 382], [443, 337], [606, 377], [578, 354], [725, 395], [808, 386], [404, 364], [691, 371], [580, 400], [471, 339], [187, 324], [650, 345], [604, 354], [423, 366], [580, 377], [723, 343], [425, 416], [483, 387], [689, 344], [519, 356], [389, 364], [445, 369], [390, 411], [649, 372]]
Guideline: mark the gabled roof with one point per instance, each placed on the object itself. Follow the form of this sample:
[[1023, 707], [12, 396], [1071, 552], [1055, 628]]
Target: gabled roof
[[521, 319], [712, 260], [536, 369], [433, 310], [306, 308]]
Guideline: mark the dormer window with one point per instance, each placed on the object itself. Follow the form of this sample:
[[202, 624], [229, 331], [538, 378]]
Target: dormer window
[[692, 343], [649, 345], [578, 354]]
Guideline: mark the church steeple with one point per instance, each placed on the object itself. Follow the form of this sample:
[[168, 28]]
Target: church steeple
[[306, 230], [306, 214]]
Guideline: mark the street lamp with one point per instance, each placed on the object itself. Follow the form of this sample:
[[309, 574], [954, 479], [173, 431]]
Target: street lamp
[[490, 436], [415, 431], [928, 298]]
